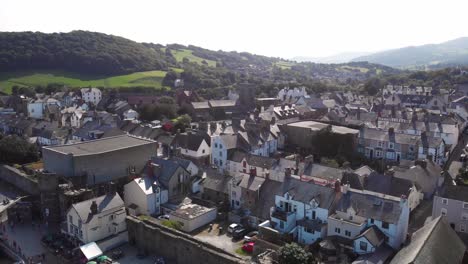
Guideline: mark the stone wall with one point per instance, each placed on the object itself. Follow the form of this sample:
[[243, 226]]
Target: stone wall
[[173, 245], [19, 179]]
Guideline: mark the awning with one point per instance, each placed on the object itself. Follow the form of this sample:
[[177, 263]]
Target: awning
[[91, 250]]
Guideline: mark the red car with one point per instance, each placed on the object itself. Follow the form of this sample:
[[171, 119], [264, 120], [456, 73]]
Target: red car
[[248, 247]]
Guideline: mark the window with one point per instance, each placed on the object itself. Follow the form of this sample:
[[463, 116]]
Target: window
[[380, 143], [391, 145], [244, 164], [70, 219], [464, 217], [465, 205], [281, 224], [371, 221], [70, 230], [385, 225], [220, 153], [363, 246], [443, 212], [220, 146], [80, 224], [203, 151], [444, 201], [216, 145], [347, 233], [462, 228], [411, 149], [337, 230], [111, 217]]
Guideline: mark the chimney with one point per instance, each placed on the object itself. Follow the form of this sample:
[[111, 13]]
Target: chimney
[[273, 120], [203, 126], [422, 163], [403, 200], [359, 113], [391, 131], [309, 159], [156, 168], [389, 172], [111, 188], [94, 208], [253, 172], [337, 186], [236, 122]]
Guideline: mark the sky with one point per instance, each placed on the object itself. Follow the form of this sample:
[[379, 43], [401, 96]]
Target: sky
[[284, 29]]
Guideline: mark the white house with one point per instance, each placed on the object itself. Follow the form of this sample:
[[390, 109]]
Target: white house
[[303, 210], [145, 196], [193, 147], [240, 162], [360, 210], [97, 219], [219, 149], [91, 95]]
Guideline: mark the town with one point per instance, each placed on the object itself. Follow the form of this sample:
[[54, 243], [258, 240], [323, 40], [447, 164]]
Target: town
[[327, 177]]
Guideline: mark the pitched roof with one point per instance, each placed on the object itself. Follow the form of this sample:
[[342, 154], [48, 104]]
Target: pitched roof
[[189, 141], [308, 191], [252, 160], [371, 205], [427, 178], [434, 243], [168, 168], [387, 184], [373, 235], [456, 192], [104, 203]]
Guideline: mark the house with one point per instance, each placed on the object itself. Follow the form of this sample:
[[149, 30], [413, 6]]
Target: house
[[453, 206], [424, 173], [188, 165], [37, 107], [97, 219], [194, 147], [144, 196], [388, 184], [186, 97], [220, 147], [141, 100], [52, 137], [392, 146], [291, 95], [359, 210], [433, 243], [91, 95], [303, 209], [215, 186], [171, 175], [239, 162]]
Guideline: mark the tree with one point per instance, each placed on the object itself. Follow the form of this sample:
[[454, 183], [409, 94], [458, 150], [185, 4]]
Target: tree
[[170, 78], [293, 254], [14, 149], [373, 86]]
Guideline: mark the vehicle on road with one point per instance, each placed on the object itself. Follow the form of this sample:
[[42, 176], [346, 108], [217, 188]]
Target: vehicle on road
[[239, 233], [163, 217]]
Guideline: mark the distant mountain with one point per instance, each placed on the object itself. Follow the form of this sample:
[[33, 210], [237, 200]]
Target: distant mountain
[[343, 57], [450, 53]]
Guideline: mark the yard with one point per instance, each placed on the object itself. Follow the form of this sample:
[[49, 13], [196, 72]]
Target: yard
[[188, 54]]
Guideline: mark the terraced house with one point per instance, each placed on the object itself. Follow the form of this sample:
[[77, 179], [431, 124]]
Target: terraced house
[[392, 146]]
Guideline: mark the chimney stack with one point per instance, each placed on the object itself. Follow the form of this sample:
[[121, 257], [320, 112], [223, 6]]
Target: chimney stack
[[94, 208], [111, 188], [422, 163]]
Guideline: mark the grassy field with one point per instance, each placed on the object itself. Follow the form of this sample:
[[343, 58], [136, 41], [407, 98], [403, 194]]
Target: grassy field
[[35, 78], [185, 53], [351, 68], [284, 64]]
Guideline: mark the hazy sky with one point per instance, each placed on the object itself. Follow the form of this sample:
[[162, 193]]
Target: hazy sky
[[274, 28]]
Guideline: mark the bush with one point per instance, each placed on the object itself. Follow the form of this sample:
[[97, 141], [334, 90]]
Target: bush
[[172, 224], [14, 149], [294, 254]]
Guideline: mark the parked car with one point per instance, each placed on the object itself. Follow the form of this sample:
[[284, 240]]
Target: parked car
[[117, 254], [250, 236], [232, 227], [463, 157], [248, 247], [163, 217], [239, 233]]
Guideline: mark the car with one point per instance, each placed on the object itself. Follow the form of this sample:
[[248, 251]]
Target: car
[[163, 217], [233, 227], [250, 236], [117, 254], [248, 247], [239, 233]]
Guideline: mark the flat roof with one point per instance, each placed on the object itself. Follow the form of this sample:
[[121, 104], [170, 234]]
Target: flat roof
[[100, 145], [191, 211], [309, 124]]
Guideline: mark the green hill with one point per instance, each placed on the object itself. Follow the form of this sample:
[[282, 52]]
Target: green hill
[[450, 53], [43, 78]]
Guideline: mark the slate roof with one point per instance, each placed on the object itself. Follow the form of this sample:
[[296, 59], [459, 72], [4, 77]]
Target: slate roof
[[146, 184], [252, 160], [373, 235], [427, 178], [371, 205], [434, 243], [213, 180], [306, 191], [167, 169], [387, 184], [456, 192], [222, 103], [189, 141], [105, 203], [252, 183], [324, 172], [200, 105]]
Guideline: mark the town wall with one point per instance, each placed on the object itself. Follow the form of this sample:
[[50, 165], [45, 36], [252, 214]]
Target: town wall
[[19, 179], [173, 245]]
